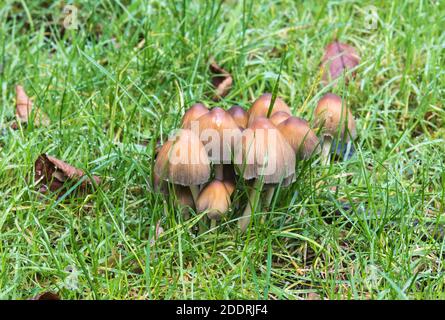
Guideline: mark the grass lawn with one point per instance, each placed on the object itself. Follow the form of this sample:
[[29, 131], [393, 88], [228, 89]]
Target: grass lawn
[[371, 227]]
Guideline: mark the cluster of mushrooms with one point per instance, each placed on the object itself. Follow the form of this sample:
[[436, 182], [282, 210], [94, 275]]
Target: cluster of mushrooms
[[204, 181]]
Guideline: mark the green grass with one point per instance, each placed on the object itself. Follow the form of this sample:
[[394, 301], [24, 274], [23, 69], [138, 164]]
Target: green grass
[[369, 227]]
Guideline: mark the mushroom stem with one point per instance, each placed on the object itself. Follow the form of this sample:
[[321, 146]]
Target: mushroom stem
[[212, 224], [195, 192], [327, 143], [203, 224], [268, 197], [165, 207], [267, 201], [219, 171], [349, 151], [244, 221]]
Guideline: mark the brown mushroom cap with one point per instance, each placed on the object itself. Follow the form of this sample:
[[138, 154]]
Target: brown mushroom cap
[[192, 114], [215, 199], [159, 184], [261, 105], [183, 160], [239, 115], [331, 113], [300, 136], [279, 117], [223, 125], [230, 186], [264, 152]]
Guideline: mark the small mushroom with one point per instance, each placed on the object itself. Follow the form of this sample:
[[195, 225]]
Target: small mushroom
[[337, 123], [264, 155], [215, 200], [192, 114], [300, 137], [260, 107], [240, 116], [219, 133], [279, 117], [183, 161]]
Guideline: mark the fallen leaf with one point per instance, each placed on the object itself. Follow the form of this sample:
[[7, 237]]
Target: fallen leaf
[[141, 44], [24, 108], [46, 296], [23, 104], [52, 173], [338, 57], [221, 80], [158, 231]]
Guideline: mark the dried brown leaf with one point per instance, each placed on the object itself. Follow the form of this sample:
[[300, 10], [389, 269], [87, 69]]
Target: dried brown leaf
[[141, 44], [52, 174], [338, 57], [23, 104], [48, 295], [158, 232], [221, 80]]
